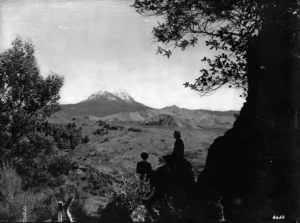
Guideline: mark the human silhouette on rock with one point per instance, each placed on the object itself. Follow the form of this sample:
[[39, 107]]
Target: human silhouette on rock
[[172, 180], [144, 168], [161, 180], [178, 151]]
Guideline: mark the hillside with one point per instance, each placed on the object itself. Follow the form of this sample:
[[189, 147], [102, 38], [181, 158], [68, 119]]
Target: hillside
[[114, 149], [115, 141], [177, 117]]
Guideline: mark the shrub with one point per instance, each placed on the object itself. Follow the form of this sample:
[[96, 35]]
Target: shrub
[[59, 166], [131, 194], [86, 139], [101, 131], [125, 200], [113, 127], [134, 130], [67, 137], [12, 197], [46, 208], [128, 200], [38, 162], [101, 123]]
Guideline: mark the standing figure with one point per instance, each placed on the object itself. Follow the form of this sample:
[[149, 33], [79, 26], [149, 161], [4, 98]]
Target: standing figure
[[178, 152], [143, 167]]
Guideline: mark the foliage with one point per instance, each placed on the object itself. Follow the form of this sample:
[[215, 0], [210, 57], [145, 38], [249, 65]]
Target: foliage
[[12, 197], [39, 162], [96, 182], [228, 27], [86, 139], [47, 206], [41, 204], [26, 100], [67, 137], [131, 193], [129, 201]]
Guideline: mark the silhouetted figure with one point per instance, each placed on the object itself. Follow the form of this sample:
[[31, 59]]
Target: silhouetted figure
[[143, 167], [161, 179], [178, 152], [172, 180]]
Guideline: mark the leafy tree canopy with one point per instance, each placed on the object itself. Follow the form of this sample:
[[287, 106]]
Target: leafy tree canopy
[[228, 26], [26, 98]]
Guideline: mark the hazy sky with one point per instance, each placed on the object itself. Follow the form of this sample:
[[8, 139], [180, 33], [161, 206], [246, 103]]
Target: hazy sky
[[105, 45]]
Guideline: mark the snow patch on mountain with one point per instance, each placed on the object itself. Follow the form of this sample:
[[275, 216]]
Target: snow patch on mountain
[[115, 96], [124, 96]]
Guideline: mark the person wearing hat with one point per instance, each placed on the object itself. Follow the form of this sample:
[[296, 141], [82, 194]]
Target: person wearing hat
[[143, 167]]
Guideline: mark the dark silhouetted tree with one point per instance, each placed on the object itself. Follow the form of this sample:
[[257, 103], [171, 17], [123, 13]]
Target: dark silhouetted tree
[[257, 45]]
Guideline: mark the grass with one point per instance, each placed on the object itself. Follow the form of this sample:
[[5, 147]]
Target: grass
[[12, 197], [117, 152]]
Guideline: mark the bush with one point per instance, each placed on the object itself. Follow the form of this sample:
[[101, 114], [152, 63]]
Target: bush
[[60, 166], [67, 137], [131, 194], [134, 130], [125, 200], [12, 197], [40, 205], [128, 201], [86, 139], [38, 162]]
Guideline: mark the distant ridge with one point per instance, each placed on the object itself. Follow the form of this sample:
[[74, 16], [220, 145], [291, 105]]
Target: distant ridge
[[220, 113], [210, 112], [103, 103], [173, 116]]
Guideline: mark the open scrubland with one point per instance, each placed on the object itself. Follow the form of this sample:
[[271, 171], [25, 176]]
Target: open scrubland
[[112, 149], [94, 159]]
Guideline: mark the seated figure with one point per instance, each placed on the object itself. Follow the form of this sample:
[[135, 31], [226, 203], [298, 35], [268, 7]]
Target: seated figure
[[173, 179]]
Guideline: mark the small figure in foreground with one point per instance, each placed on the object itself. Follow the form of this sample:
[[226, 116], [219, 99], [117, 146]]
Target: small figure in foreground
[[143, 167], [178, 152]]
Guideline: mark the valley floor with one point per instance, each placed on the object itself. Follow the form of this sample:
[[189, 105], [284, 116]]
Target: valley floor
[[114, 148]]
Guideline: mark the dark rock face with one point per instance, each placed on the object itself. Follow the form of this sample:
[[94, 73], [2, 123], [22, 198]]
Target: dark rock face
[[254, 167], [258, 161]]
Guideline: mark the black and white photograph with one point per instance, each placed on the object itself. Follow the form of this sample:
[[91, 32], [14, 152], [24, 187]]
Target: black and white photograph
[[184, 111]]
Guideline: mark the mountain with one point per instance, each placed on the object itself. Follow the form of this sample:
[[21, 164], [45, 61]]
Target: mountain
[[104, 103], [174, 116]]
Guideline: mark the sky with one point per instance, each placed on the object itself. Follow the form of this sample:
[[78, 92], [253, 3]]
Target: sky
[[105, 45]]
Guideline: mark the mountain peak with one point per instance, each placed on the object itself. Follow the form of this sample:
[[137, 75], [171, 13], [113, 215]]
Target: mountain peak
[[103, 103], [115, 96], [102, 94]]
